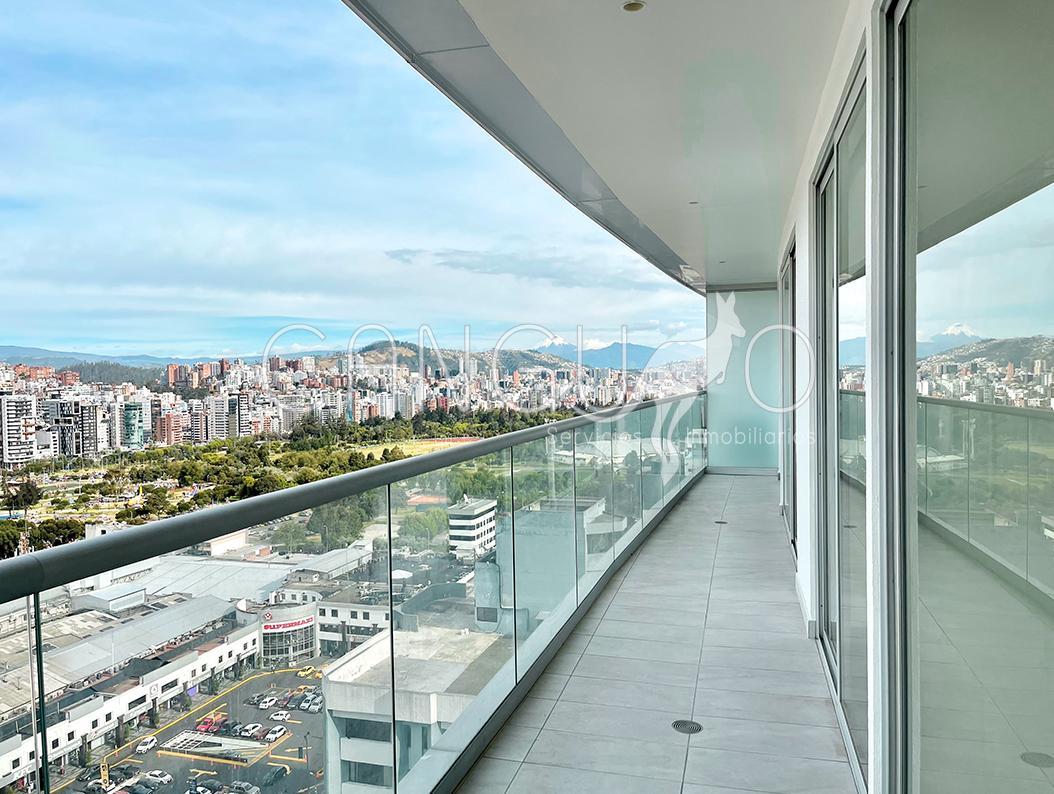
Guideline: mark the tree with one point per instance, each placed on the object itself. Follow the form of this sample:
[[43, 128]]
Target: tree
[[291, 535], [24, 496]]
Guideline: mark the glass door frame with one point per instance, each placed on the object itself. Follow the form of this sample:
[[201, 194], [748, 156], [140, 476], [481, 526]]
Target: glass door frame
[[788, 384], [825, 247]]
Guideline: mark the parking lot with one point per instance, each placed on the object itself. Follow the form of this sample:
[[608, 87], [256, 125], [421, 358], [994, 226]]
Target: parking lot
[[295, 759]]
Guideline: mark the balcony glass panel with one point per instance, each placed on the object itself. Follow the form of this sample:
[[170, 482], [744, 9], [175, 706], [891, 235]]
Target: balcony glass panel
[[651, 462], [596, 524], [626, 454], [21, 735], [544, 541], [454, 624]]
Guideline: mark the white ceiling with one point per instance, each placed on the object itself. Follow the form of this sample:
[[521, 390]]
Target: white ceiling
[[707, 101]]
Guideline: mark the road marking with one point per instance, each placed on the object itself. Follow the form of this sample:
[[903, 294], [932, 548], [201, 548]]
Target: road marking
[[292, 758], [295, 722], [194, 757], [132, 761], [200, 772]]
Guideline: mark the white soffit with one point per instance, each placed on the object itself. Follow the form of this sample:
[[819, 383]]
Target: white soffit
[[635, 116]]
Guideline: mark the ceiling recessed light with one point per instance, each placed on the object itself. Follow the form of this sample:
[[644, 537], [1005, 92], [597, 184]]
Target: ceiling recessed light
[[632, 5], [693, 203], [722, 262]]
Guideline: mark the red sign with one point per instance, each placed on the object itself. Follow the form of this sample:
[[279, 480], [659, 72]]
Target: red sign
[[289, 624]]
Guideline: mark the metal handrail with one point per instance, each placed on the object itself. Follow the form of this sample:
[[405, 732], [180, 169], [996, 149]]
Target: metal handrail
[[1012, 410], [42, 570]]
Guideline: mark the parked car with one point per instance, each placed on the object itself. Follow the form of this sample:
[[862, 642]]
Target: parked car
[[145, 746], [252, 701], [305, 704], [305, 672], [217, 725], [232, 728], [315, 707], [250, 729], [261, 733], [122, 772], [89, 773], [139, 788], [241, 787], [275, 775], [266, 703], [204, 725], [284, 700], [294, 703], [279, 716], [197, 790], [211, 784], [95, 787], [276, 733], [162, 777], [150, 783]]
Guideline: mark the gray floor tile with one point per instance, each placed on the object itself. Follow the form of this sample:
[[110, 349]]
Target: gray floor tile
[[757, 659], [616, 721], [685, 635], [774, 682], [776, 738], [489, 776], [654, 760], [532, 712], [765, 707], [643, 649], [541, 779], [549, 685], [640, 670], [608, 692], [512, 743], [771, 773]]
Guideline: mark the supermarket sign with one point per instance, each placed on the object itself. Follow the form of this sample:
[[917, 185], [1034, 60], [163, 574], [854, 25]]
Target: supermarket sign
[[289, 624]]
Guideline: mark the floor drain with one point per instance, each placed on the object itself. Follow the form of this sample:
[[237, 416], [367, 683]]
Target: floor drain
[[1042, 760], [690, 726], [720, 521]]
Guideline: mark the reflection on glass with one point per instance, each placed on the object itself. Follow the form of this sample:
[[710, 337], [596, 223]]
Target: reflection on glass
[[980, 140], [851, 492], [544, 519], [452, 586]]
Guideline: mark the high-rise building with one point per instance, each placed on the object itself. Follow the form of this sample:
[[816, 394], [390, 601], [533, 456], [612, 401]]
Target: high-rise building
[[238, 419], [132, 426], [18, 426]]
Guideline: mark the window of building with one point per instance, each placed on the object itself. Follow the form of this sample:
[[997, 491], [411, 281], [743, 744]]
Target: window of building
[[69, 736], [374, 730], [94, 724]]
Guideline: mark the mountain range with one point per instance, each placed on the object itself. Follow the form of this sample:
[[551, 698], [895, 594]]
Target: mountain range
[[851, 352], [558, 354]]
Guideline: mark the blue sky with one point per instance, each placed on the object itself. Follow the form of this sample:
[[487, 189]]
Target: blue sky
[[187, 178]]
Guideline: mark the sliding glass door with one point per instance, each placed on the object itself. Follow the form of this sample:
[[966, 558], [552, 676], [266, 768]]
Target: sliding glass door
[[843, 378], [977, 102]]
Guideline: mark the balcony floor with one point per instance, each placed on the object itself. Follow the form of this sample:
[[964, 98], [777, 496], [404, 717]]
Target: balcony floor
[[703, 622]]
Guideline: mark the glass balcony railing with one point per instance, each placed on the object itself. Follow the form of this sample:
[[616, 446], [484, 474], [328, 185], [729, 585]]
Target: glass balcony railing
[[985, 474], [356, 634]]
